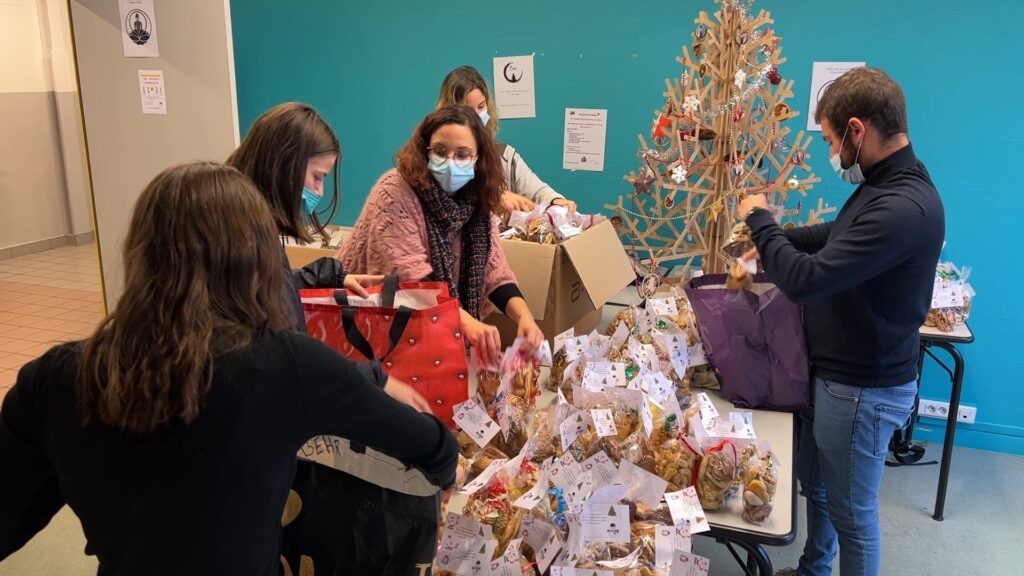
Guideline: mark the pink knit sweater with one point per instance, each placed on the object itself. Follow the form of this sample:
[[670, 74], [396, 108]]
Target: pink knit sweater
[[390, 237]]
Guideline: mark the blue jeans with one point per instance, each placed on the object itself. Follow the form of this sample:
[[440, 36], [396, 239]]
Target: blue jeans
[[843, 443]]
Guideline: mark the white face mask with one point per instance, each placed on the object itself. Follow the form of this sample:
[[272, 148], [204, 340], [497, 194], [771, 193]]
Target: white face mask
[[484, 116], [853, 174]]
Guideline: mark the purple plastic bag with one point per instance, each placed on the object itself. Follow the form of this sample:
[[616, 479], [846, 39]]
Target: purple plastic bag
[[755, 341]]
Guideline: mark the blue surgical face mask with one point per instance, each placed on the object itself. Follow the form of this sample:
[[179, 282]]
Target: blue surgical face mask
[[450, 177], [310, 200], [484, 116], [853, 174]]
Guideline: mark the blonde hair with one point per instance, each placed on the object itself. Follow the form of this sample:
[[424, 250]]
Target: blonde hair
[[458, 84]]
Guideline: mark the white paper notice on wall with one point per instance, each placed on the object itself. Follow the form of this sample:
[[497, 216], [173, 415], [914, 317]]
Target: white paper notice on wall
[[151, 90], [138, 28], [514, 88], [823, 74], [583, 144]]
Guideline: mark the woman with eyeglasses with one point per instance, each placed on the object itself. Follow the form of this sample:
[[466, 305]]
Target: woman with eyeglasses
[[431, 218], [522, 189]]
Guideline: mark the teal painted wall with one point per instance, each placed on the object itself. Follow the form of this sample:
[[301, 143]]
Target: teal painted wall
[[373, 69]]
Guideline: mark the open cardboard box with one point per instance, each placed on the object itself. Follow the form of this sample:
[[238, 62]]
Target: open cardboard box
[[569, 283], [301, 254]]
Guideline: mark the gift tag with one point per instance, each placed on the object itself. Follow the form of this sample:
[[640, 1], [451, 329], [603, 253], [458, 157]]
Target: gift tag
[[608, 495], [605, 523], [632, 399], [543, 538], [571, 428], [644, 355], [600, 375], [686, 564], [461, 527], [602, 469], [502, 404], [684, 505], [576, 347], [749, 265], [745, 419], [577, 493], [646, 416], [644, 487], [661, 388], [510, 563], [468, 558], [604, 422], [667, 541], [708, 412], [481, 480], [621, 563], [680, 364], [472, 418], [561, 398], [696, 354], [620, 335], [573, 547], [663, 307], [543, 353], [565, 472], [561, 339], [600, 345]]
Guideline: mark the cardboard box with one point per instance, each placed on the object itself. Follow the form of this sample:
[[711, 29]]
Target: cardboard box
[[567, 284], [301, 254]]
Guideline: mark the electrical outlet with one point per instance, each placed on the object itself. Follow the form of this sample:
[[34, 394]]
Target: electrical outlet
[[966, 414], [933, 409]]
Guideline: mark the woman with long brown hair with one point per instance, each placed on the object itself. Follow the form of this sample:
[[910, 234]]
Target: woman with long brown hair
[[431, 218], [522, 188], [172, 430]]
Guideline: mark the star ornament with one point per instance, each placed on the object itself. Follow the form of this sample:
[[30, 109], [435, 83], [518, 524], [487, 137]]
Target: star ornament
[[659, 129], [691, 104], [739, 79]]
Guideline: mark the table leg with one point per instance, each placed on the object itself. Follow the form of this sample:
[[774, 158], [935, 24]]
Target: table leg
[[758, 562], [954, 409]]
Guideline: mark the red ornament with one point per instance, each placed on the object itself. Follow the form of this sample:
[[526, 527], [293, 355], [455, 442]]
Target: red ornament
[[660, 127], [738, 116], [773, 76]]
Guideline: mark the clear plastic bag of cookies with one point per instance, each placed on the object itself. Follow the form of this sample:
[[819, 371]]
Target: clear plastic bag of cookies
[[760, 479]]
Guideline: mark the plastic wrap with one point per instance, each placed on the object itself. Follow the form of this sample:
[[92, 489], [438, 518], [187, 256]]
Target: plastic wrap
[[716, 474]]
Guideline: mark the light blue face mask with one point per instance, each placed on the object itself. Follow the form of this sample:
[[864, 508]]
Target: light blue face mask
[[485, 117], [853, 174], [310, 200], [449, 176]]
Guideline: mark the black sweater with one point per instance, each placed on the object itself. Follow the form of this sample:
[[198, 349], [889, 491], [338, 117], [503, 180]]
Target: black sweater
[[866, 278], [204, 498]]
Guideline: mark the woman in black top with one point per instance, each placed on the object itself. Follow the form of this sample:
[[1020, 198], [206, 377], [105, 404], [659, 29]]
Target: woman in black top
[[172, 430]]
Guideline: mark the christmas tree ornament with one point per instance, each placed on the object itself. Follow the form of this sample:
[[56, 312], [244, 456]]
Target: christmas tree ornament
[[679, 174], [774, 77], [739, 79], [659, 130], [792, 183]]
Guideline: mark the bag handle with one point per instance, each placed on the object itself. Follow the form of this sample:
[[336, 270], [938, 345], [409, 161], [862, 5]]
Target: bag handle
[[387, 293], [359, 342]]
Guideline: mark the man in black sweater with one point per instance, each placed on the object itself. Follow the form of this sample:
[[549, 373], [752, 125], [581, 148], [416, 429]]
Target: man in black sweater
[[866, 282]]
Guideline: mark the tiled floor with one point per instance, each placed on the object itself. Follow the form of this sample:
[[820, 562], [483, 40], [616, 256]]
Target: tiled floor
[[45, 298]]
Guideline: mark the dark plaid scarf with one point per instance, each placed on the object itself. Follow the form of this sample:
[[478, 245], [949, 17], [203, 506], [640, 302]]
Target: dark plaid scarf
[[446, 214]]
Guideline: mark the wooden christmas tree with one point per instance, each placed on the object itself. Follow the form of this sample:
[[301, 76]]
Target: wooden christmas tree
[[720, 135]]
